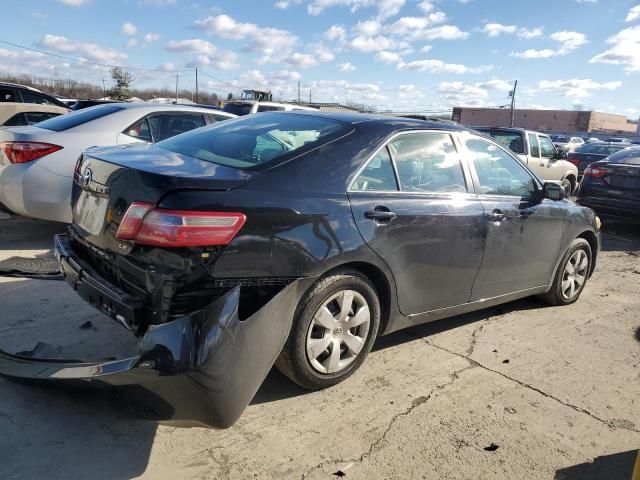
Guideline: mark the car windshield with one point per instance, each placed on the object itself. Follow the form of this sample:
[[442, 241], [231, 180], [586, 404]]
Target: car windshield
[[256, 140], [628, 156], [599, 149], [238, 108], [71, 120], [511, 140]]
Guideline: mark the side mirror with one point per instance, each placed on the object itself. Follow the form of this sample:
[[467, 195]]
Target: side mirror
[[561, 155], [553, 191]]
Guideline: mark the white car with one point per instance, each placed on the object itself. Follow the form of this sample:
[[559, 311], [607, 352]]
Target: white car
[[37, 162], [247, 107]]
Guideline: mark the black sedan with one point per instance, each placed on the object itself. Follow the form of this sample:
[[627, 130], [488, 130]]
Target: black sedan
[[612, 186], [582, 156], [296, 239]]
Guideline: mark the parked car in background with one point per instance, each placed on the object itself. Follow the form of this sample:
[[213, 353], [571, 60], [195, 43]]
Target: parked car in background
[[612, 186], [21, 114], [248, 247], [69, 102], [80, 104], [246, 107], [538, 153], [593, 140], [617, 140], [15, 93], [582, 156], [37, 162], [568, 144]]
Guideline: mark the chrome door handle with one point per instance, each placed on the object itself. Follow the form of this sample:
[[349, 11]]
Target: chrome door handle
[[497, 216]]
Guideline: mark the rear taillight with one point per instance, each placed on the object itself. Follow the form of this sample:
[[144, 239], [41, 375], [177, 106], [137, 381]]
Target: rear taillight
[[146, 225], [592, 171], [25, 152]]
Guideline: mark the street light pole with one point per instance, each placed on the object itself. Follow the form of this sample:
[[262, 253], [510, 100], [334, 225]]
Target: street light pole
[[513, 103]]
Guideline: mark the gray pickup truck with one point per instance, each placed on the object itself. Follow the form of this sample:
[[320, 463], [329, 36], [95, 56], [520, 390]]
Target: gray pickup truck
[[537, 151]]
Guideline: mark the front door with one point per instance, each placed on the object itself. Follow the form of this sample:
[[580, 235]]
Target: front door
[[422, 218], [523, 230]]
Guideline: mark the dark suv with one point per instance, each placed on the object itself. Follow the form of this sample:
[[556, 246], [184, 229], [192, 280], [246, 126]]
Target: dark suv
[[15, 93]]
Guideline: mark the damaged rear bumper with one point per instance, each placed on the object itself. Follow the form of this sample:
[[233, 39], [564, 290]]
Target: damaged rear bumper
[[204, 367]]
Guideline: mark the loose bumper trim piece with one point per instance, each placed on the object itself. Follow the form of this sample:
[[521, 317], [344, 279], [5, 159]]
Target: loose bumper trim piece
[[205, 367]]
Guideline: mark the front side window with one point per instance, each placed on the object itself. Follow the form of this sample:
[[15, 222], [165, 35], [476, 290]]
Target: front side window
[[498, 172], [428, 162], [30, 97], [547, 149], [534, 145], [378, 175], [243, 142]]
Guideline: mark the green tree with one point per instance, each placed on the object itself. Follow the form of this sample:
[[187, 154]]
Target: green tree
[[122, 80]]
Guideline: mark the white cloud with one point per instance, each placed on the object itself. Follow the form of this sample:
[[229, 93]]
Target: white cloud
[[129, 28], [86, 50], [367, 27], [426, 49], [366, 44], [207, 54], [302, 60], [388, 57], [497, 29], [577, 87], [442, 32], [75, 3], [271, 43], [625, 50], [633, 15], [346, 67], [568, 42], [426, 6], [386, 8], [132, 42], [437, 66], [151, 37], [496, 84], [474, 95], [335, 33]]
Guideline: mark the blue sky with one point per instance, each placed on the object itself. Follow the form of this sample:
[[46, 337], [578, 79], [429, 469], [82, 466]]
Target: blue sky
[[394, 54]]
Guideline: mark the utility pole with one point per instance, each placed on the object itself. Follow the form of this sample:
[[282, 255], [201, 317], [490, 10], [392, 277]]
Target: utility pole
[[513, 103], [104, 88], [197, 100], [176, 88], [309, 95], [298, 91]]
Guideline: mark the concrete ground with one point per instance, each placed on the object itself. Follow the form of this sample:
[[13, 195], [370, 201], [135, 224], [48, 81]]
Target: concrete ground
[[520, 391]]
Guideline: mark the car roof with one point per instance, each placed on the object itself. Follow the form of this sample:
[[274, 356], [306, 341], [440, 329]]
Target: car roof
[[17, 85], [151, 107], [509, 129], [377, 119]]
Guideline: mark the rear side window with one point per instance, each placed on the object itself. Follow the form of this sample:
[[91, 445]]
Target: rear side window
[[428, 162], [31, 97], [269, 108], [534, 145], [8, 95], [256, 140], [18, 120], [511, 140], [213, 117], [378, 175], [628, 156], [37, 117], [238, 108], [71, 120]]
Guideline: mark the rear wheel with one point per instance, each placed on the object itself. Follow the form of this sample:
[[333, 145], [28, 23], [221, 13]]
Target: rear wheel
[[572, 274], [336, 324]]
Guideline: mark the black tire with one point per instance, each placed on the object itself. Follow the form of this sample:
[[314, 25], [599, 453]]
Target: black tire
[[555, 296], [293, 360], [568, 187]]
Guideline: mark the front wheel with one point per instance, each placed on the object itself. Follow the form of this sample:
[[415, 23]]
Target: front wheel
[[336, 324], [572, 274], [568, 187]]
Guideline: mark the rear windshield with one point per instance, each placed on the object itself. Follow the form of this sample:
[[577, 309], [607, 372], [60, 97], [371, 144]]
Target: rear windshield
[[256, 140], [629, 156], [238, 108], [599, 149], [70, 120], [511, 140]]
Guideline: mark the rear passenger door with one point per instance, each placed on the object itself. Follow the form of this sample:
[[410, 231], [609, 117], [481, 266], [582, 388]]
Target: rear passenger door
[[414, 205]]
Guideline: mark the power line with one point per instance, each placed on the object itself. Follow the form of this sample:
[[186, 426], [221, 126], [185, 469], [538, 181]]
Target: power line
[[44, 52], [221, 81]]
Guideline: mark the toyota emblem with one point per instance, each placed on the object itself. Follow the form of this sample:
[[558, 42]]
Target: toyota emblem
[[86, 177]]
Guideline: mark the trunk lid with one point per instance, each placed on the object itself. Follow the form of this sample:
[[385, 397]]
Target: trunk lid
[[620, 180], [108, 180]]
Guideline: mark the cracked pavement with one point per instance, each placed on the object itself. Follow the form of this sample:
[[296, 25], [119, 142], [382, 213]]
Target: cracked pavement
[[555, 389]]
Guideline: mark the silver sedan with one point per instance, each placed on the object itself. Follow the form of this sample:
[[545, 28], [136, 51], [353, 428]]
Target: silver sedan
[[37, 162]]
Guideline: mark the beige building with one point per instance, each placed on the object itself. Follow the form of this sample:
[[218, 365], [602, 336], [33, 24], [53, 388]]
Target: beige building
[[546, 120]]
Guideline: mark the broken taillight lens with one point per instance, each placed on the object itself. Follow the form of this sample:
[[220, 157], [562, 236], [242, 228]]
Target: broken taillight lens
[[25, 152], [146, 225]]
